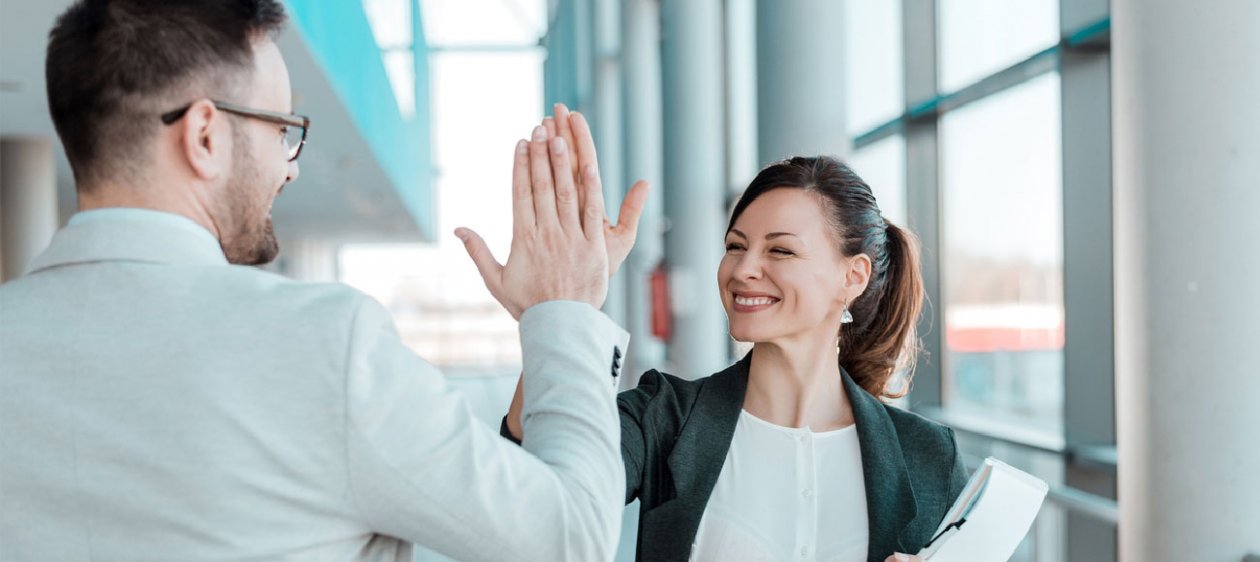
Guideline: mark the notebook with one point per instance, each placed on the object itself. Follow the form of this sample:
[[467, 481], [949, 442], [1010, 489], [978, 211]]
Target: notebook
[[990, 516]]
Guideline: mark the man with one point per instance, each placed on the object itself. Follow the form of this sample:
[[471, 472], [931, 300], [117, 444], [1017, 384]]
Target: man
[[158, 401]]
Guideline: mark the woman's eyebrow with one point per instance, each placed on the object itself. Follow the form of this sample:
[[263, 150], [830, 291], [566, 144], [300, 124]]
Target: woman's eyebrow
[[774, 235], [770, 236]]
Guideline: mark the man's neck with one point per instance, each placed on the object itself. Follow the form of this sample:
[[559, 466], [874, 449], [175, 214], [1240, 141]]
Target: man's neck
[[109, 196]]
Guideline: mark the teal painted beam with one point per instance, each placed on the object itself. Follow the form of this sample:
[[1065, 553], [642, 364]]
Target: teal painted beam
[[341, 41], [1098, 32]]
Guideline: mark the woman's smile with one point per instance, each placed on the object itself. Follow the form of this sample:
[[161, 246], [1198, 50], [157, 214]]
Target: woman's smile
[[751, 302]]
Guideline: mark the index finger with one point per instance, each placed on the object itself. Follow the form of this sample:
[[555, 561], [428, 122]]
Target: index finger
[[585, 142], [540, 179], [522, 192], [565, 129], [593, 206]]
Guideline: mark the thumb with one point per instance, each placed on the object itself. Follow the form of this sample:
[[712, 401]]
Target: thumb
[[489, 268], [632, 206]]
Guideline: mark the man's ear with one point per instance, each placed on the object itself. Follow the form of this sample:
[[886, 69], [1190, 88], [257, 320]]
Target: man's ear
[[205, 139]]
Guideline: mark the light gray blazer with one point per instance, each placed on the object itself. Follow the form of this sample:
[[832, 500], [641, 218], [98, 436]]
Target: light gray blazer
[[157, 403]]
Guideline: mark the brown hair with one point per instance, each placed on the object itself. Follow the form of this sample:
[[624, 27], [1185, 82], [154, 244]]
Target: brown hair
[[881, 338], [114, 66]]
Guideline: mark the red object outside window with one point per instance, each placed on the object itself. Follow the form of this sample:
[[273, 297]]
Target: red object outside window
[[662, 320]]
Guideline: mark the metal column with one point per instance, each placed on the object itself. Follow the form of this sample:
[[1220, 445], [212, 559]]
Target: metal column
[[1186, 77], [800, 79], [923, 196], [28, 201], [695, 176], [606, 120], [641, 84], [1088, 284]]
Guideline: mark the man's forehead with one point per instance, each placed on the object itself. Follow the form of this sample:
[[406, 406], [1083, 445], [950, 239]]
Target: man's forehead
[[267, 57], [271, 76]]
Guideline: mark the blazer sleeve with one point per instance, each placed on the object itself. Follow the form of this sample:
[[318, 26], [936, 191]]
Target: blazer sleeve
[[650, 419], [958, 473], [637, 431], [422, 468]]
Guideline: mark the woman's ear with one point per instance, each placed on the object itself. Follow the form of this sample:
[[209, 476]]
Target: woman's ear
[[857, 276], [204, 140]]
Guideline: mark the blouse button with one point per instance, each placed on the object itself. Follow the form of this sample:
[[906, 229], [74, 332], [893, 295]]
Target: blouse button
[[807, 492]]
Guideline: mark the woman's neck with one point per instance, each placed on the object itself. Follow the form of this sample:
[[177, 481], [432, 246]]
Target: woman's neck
[[797, 386]]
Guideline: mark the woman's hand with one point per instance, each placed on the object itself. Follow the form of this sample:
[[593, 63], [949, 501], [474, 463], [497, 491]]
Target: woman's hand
[[573, 128], [558, 249], [899, 557]]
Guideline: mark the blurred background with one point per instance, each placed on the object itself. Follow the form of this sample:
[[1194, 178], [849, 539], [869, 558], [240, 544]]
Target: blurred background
[[1070, 185]]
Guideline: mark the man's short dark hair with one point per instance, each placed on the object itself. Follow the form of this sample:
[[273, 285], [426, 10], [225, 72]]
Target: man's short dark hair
[[113, 66]]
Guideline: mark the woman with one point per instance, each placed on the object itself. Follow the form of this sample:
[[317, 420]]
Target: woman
[[790, 454]]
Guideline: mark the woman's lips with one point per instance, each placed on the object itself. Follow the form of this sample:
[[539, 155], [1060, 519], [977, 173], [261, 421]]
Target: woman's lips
[[747, 303]]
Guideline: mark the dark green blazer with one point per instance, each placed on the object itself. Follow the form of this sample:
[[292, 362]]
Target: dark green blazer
[[675, 435]]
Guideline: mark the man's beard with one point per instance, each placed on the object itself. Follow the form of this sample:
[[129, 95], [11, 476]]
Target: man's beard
[[260, 248], [250, 239]]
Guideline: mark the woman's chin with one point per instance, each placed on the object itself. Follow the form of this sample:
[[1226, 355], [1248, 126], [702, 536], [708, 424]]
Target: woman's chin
[[748, 336]]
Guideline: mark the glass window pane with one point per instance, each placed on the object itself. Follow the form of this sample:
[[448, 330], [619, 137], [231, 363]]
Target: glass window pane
[[873, 61], [883, 166], [400, 66], [1003, 258], [483, 22], [1046, 540], [980, 37], [391, 22]]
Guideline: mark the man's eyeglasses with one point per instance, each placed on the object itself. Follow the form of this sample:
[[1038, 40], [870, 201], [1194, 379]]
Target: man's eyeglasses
[[294, 126]]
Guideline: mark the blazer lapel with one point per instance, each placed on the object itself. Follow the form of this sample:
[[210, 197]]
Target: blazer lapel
[[700, 451], [890, 501], [695, 463]]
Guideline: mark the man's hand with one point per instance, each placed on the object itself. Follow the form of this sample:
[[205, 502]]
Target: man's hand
[[558, 247], [573, 128]]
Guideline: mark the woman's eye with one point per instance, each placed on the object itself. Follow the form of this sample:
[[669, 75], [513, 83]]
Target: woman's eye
[[781, 251], [733, 247]]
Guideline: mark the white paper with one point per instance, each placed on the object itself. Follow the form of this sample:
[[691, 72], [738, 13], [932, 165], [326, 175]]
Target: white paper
[[1008, 503]]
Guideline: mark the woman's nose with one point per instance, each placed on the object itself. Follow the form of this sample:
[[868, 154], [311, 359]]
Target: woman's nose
[[748, 267]]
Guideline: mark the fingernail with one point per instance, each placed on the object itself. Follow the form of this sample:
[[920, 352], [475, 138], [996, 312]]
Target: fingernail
[[522, 147], [557, 144], [547, 120], [540, 134]]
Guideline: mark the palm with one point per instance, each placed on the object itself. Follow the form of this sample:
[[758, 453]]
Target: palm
[[619, 238]]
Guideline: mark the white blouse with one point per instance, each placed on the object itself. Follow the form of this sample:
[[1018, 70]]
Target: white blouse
[[786, 493]]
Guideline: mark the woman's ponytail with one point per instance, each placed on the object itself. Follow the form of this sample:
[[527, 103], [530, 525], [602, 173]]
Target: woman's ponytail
[[882, 341]]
